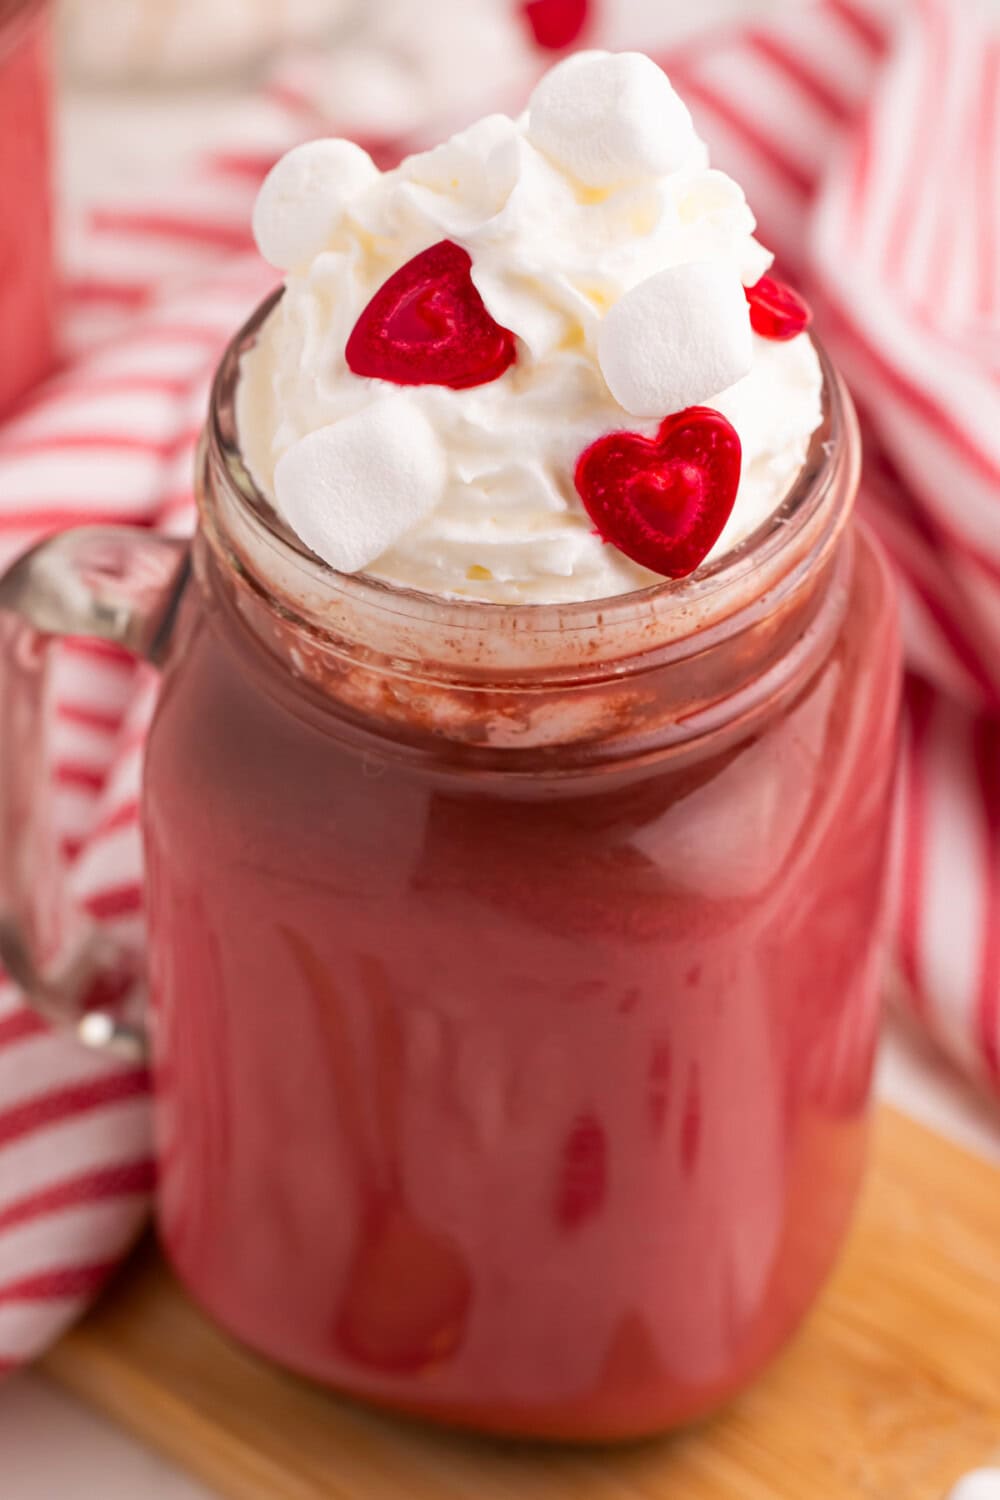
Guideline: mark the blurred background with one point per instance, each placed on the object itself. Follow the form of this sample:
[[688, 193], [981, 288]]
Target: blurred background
[[144, 81], [378, 65]]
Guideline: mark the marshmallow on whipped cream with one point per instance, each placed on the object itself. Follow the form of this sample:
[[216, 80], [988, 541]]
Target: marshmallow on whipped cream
[[981, 1484], [614, 260]]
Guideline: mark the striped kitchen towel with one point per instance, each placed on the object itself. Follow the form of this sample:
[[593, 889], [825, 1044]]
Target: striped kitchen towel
[[867, 135]]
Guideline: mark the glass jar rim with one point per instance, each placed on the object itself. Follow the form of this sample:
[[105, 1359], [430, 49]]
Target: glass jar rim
[[247, 529]]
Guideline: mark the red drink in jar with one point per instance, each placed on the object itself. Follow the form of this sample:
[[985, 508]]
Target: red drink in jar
[[516, 981], [515, 969]]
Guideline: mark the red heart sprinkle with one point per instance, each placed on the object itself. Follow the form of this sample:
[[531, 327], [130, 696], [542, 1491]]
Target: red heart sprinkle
[[556, 24], [776, 311], [427, 325], [663, 501]]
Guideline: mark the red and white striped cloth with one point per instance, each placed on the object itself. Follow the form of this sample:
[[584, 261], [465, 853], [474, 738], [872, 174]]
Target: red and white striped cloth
[[867, 135]]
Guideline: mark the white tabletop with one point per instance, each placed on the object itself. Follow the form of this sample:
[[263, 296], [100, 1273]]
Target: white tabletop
[[54, 1449], [52, 1446]]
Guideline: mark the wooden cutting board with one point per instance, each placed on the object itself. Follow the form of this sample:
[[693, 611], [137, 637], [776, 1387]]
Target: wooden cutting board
[[890, 1393]]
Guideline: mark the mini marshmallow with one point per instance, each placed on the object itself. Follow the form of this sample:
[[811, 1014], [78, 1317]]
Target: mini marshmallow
[[676, 339], [354, 488], [981, 1484], [302, 199], [610, 118]]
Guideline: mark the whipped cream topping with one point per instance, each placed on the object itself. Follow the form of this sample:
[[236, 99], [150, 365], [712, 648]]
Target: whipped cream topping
[[600, 236]]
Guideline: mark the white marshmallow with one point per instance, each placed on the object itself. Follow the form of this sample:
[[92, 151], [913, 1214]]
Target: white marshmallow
[[354, 488], [676, 339], [550, 260], [981, 1484], [610, 118], [301, 200]]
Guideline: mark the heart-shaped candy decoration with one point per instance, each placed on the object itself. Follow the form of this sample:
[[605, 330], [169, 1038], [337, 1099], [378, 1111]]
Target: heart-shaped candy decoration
[[776, 311], [663, 501], [427, 325], [556, 24]]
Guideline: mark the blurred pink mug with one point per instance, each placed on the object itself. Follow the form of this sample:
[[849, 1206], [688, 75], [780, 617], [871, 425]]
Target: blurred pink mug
[[27, 280]]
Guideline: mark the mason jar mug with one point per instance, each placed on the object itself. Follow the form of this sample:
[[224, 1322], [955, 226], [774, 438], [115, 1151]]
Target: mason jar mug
[[514, 971]]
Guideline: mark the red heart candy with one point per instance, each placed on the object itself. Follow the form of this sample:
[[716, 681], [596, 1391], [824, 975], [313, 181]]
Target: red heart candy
[[663, 501], [556, 24], [427, 325], [776, 311]]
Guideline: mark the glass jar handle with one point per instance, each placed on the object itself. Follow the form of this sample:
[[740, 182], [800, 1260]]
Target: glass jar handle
[[121, 585]]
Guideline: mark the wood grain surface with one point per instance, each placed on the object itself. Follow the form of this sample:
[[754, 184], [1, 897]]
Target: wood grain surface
[[891, 1392]]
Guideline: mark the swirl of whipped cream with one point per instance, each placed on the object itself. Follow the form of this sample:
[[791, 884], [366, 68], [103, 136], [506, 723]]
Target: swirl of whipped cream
[[580, 209]]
